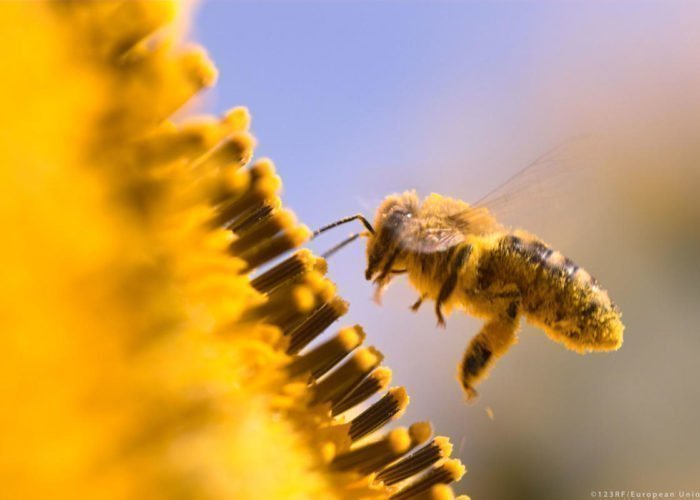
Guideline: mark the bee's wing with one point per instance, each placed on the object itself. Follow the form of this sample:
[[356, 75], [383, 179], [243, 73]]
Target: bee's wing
[[561, 176], [444, 223], [422, 240], [553, 180]]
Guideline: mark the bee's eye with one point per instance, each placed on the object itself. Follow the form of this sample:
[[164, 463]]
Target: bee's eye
[[396, 219]]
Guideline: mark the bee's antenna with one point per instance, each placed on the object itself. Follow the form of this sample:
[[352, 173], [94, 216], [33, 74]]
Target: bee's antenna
[[340, 222], [342, 244]]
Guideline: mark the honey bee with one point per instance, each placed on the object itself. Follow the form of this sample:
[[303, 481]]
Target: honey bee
[[461, 257]]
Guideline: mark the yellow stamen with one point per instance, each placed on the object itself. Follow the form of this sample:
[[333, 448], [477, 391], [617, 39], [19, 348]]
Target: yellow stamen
[[336, 385], [451, 470], [437, 492], [430, 454], [166, 369], [377, 381], [315, 323], [324, 357], [233, 153], [263, 185], [296, 265], [420, 432], [373, 456], [391, 406], [254, 214], [265, 228], [274, 247]]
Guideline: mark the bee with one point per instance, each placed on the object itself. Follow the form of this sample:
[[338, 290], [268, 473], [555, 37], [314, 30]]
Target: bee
[[461, 257]]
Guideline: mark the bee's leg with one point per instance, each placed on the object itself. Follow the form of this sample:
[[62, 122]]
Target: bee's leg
[[451, 282], [386, 270], [416, 305], [445, 291], [383, 279], [494, 339]]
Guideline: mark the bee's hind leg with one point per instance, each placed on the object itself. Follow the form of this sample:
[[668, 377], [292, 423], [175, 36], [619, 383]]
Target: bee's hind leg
[[494, 339]]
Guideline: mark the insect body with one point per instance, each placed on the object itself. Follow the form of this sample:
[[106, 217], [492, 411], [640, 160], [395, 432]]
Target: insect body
[[461, 257]]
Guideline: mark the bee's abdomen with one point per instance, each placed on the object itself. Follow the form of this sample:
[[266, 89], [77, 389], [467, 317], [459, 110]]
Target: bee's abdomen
[[557, 294], [541, 257]]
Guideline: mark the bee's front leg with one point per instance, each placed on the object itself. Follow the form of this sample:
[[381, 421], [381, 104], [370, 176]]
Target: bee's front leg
[[416, 305]]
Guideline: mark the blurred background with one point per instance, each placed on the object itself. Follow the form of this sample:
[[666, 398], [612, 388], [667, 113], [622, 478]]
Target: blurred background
[[356, 100]]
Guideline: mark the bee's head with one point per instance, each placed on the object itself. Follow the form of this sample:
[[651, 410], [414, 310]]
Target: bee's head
[[383, 246]]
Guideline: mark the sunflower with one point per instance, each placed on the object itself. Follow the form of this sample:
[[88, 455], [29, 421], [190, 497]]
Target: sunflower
[[163, 335]]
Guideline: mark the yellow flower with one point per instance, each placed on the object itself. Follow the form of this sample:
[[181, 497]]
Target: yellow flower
[[140, 359]]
